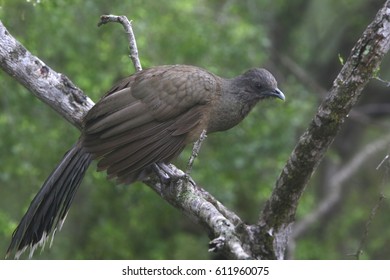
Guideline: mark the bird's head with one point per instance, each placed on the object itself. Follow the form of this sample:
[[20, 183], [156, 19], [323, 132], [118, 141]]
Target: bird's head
[[259, 83]]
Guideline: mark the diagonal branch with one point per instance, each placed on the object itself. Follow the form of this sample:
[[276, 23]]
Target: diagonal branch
[[366, 56], [55, 89]]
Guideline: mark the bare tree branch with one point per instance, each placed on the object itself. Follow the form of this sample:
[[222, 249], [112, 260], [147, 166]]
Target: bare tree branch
[[130, 36], [65, 98], [204, 209], [366, 56]]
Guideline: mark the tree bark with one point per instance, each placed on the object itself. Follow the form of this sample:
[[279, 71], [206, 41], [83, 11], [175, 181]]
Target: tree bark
[[55, 89]]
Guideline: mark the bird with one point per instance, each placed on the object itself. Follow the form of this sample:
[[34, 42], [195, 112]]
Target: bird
[[145, 119]]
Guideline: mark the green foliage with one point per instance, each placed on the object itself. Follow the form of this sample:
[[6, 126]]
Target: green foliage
[[239, 166]]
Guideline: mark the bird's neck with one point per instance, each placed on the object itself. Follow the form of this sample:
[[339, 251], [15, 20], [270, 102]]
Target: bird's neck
[[231, 106]]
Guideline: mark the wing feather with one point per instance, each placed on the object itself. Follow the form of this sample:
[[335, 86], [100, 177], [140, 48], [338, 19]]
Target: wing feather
[[147, 118]]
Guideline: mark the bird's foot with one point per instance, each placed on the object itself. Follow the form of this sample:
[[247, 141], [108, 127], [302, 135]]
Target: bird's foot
[[217, 244], [168, 173]]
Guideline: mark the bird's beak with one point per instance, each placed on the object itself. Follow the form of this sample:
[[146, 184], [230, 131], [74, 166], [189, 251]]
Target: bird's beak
[[275, 93], [279, 94]]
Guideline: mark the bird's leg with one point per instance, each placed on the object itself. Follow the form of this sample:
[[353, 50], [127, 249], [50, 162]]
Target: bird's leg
[[164, 177], [167, 172]]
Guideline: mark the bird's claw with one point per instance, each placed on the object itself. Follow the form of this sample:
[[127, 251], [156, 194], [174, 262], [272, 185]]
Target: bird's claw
[[168, 173], [217, 244]]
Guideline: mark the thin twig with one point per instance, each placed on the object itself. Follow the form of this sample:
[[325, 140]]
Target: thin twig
[[130, 36], [363, 241], [387, 83], [382, 162], [195, 151]]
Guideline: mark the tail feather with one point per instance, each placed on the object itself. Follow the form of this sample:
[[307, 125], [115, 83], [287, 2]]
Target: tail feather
[[50, 206]]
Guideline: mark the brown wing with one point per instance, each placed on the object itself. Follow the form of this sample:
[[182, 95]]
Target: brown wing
[[147, 118]]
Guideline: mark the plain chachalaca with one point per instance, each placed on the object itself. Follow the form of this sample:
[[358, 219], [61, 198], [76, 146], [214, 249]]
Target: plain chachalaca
[[145, 119]]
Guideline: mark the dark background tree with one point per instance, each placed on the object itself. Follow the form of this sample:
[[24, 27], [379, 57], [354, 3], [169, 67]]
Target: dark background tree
[[300, 41]]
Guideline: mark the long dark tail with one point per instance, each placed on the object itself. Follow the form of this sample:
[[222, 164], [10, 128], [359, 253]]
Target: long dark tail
[[50, 206]]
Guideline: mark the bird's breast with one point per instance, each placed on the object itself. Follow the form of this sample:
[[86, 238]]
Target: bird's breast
[[226, 114]]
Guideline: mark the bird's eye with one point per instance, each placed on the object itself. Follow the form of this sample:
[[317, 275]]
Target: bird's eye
[[258, 85]]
